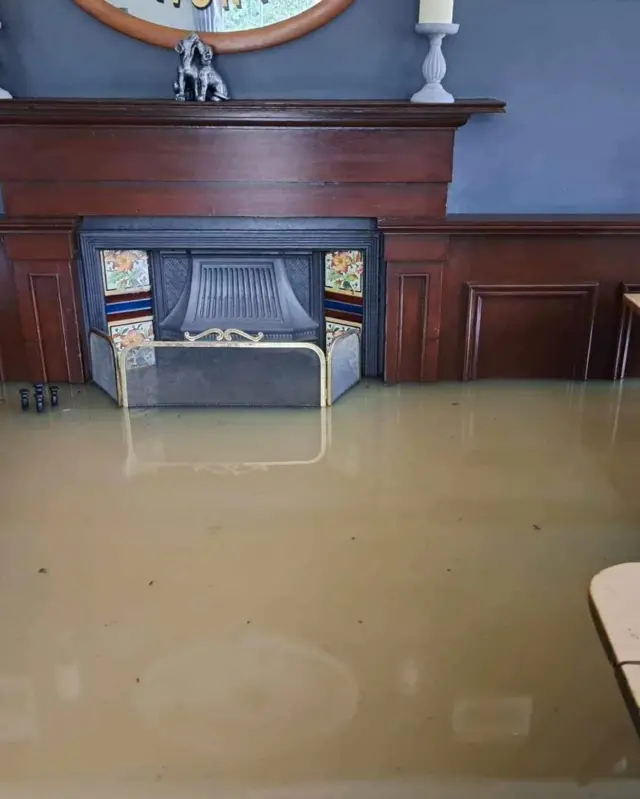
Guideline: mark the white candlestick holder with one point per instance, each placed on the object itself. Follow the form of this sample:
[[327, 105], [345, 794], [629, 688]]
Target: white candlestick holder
[[435, 66]]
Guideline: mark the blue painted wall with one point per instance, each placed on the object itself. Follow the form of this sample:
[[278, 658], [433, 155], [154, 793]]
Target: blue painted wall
[[569, 69]]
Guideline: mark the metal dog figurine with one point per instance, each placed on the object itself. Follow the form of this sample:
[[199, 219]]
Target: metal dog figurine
[[197, 78]]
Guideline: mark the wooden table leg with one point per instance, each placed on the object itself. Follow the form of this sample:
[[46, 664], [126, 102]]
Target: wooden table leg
[[624, 336]]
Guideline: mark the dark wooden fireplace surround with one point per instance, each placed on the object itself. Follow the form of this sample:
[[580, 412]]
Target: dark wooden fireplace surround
[[466, 298]]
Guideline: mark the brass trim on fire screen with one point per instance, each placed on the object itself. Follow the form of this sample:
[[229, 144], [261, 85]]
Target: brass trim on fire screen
[[223, 338], [236, 42], [224, 335], [273, 345], [330, 357], [114, 354]]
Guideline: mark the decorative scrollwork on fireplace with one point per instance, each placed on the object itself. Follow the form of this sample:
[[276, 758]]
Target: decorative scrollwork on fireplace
[[216, 334]]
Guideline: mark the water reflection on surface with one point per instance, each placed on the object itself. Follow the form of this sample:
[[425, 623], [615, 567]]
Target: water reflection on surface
[[384, 600]]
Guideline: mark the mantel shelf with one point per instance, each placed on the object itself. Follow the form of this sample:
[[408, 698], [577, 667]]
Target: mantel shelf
[[244, 113]]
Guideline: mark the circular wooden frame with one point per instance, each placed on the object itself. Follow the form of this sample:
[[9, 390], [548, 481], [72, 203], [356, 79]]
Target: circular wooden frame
[[237, 42]]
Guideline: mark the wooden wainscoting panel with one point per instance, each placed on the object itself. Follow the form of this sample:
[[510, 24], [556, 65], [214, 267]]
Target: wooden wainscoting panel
[[529, 331], [539, 252], [408, 248], [12, 345], [38, 246], [414, 301], [39, 302], [49, 323]]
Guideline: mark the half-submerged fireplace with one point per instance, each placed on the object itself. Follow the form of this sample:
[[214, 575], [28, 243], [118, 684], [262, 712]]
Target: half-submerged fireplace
[[231, 312]]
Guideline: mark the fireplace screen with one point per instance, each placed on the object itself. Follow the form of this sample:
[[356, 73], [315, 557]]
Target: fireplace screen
[[104, 363], [344, 365], [234, 370]]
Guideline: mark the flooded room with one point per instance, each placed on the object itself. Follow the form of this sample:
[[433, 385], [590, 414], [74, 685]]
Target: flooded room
[[319, 393]]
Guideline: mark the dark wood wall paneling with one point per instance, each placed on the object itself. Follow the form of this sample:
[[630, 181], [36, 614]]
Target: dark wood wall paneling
[[467, 298], [510, 298], [415, 274], [39, 302], [511, 329]]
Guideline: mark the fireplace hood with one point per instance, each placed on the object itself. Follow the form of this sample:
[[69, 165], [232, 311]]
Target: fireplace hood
[[252, 294]]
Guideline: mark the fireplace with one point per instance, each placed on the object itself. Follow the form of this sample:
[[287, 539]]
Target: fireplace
[[291, 288], [303, 169]]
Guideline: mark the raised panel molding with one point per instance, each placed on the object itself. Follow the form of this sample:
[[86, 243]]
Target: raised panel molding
[[49, 323], [556, 337], [39, 301], [414, 306], [9, 338], [51, 335]]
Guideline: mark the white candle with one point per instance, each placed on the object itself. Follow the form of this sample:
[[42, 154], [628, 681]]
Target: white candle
[[436, 11]]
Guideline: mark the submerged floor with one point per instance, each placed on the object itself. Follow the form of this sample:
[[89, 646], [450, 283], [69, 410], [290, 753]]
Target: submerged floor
[[385, 600]]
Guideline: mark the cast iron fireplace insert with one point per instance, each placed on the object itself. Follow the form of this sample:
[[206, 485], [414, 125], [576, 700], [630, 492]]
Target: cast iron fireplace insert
[[266, 278]]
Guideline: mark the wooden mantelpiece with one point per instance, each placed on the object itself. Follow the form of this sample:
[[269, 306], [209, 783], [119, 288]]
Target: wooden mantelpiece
[[68, 159], [263, 113], [93, 158]]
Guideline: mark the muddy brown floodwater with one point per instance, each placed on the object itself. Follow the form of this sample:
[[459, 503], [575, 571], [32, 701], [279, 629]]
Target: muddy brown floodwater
[[385, 600]]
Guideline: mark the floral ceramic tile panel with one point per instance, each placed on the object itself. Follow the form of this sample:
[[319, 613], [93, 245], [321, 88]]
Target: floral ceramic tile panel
[[125, 271], [336, 328], [344, 272], [134, 332]]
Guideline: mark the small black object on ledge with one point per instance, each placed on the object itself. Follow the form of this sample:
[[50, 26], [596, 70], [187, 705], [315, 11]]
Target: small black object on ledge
[[39, 396], [24, 399]]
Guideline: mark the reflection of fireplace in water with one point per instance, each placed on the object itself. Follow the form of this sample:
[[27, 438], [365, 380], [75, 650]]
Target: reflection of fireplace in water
[[301, 281], [264, 450], [238, 446]]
